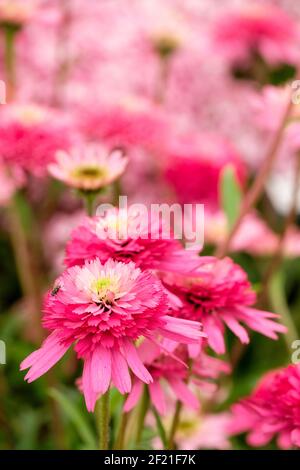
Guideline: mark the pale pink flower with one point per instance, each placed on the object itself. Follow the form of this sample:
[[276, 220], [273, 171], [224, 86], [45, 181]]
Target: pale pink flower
[[272, 410], [201, 431], [172, 370], [254, 236], [89, 168], [104, 309], [125, 235], [17, 12], [219, 295]]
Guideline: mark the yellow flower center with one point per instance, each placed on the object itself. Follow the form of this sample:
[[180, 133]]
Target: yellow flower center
[[90, 172]]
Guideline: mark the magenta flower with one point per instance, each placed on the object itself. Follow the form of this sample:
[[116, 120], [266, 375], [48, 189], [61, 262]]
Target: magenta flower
[[30, 137], [88, 169], [104, 309], [126, 236], [173, 371], [220, 294], [272, 410]]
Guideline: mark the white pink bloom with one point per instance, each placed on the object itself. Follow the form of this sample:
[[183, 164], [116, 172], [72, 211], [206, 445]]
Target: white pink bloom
[[89, 168], [104, 309]]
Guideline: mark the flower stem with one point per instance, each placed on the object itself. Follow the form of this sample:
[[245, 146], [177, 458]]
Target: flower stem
[[160, 428], [103, 418], [9, 59], [174, 425], [119, 444], [142, 411], [257, 187]]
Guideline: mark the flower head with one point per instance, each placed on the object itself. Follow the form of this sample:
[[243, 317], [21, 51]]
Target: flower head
[[104, 309], [130, 236], [88, 169], [30, 137], [272, 410], [16, 12], [173, 370], [220, 294]]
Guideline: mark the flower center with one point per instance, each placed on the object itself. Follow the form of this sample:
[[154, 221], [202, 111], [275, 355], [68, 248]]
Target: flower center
[[89, 171], [105, 289]]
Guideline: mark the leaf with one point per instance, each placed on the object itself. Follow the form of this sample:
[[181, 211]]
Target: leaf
[[76, 417], [231, 194]]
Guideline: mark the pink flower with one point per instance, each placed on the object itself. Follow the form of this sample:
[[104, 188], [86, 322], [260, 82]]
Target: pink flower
[[104, 309], [272, 410], [17, 12], [89, 168], [220, 294], [194, 170], [260, 28], [127, 236], [30, 136], [11, 179], [172, 370]]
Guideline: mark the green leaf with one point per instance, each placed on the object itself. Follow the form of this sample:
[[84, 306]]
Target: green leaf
[[76, 417], [231, 194]]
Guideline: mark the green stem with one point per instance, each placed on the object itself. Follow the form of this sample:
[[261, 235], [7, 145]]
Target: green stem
[[142, 411], [174, 425], [160, 428], [89, 203], [119, 444], [9, 59], [278, 299], [103, 418]]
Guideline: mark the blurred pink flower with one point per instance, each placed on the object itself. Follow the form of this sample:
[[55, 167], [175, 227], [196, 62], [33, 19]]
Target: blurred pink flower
[[104, 309], [272, 410], [11, 179], [172, 370], [88, 168], [30, 135], [17, 12], [194, 170], [129, 236], [220, 294], [254, 236], [261, 28]]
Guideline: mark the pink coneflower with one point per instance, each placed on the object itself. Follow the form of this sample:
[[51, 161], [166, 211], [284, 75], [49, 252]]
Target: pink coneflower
[[272, 410], [30, 137], [129, 236], [90, 168], [104, 309], [220, 294], [172, 370]]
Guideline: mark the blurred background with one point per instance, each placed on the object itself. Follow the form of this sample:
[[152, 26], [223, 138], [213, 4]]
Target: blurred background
[[195, 91]]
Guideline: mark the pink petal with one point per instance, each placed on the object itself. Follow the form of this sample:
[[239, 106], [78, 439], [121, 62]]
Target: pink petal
[[89, 394], [101, 369], [133, 396], [184, 394], [135, 362], [236, 328], [120, 374], [43, 359], [158, 397], [214, 330]]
